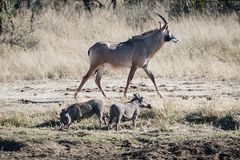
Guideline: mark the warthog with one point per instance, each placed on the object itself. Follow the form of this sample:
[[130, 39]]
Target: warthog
[[130, 110], [79, 111]]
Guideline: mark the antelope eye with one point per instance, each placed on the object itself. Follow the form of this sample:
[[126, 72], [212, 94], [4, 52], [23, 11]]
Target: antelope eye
[[167, 38]]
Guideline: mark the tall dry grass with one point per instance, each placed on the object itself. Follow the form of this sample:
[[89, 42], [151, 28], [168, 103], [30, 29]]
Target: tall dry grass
[[209, 46]]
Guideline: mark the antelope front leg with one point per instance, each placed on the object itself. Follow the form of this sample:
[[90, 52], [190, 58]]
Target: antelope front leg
[[130, 77], [90, 72], [151, 76]]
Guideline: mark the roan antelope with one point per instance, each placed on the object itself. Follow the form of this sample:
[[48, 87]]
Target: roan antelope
[[134, 53]]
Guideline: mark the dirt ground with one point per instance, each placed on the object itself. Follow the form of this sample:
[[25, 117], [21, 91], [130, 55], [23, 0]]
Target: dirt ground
[[210, 148], [208, 142], [46, 93]]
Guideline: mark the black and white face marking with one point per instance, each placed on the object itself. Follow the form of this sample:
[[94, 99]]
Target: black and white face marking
[[173, 38], [142, 102], [169, 37]]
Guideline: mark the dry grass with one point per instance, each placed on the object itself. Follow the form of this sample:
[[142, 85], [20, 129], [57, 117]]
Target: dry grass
[[209, 46], [163, 116]]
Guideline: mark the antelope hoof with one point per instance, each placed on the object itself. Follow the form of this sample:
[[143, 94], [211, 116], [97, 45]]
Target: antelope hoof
[[106, 97], [161, 96]]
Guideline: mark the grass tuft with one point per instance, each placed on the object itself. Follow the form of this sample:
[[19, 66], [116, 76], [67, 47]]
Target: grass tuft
[[15, 120]]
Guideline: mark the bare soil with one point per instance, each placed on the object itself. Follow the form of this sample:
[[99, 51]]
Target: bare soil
[[209, 148], [47, 92]]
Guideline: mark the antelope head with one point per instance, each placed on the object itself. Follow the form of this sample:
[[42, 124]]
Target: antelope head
[[167, 36]]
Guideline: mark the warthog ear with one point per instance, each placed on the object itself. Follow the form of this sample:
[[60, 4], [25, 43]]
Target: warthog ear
[[137, 95], [140, 100], [64, 110]]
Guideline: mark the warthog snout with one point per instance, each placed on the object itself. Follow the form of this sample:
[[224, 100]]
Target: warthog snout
[[149, 106], [145, 104], [142, 101], [64, 118]]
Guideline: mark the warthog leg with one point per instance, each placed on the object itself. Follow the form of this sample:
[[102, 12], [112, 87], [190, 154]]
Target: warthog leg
[[104, 120], [118, 122], [100, 118], [134, 119], [110, 122]]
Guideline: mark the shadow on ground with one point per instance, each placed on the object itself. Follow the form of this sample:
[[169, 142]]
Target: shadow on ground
[[209, 148], [49, 123], [227, 122], [10, 145]]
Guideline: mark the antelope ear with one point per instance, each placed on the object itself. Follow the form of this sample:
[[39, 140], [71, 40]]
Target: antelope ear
[[164, 27], [160, 25]]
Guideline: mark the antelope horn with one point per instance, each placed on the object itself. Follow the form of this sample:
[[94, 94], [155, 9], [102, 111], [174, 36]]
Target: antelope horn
[[162, 18]]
